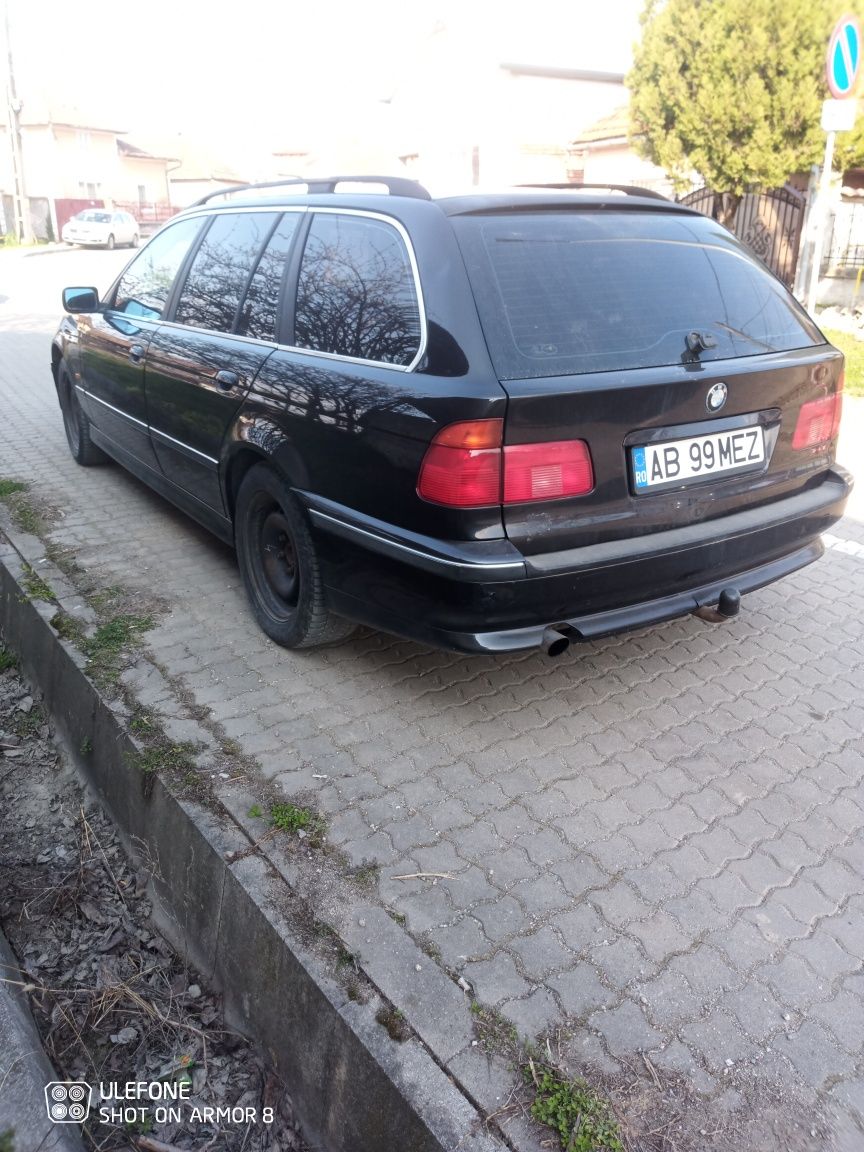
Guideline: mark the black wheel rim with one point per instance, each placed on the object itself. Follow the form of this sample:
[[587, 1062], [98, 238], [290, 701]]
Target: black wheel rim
[[278, 557], [273, 564]]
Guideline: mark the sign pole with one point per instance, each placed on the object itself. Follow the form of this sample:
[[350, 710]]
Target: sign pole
[[821, 214], [838, 115]]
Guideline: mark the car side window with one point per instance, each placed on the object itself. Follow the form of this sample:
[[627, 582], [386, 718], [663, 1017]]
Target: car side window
[[258, 314], [356, 294], [145, 286], [221, 269]]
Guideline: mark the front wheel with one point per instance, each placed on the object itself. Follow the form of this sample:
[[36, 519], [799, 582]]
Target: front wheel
[[75, 423], [279, 564], [110, 244], [134, 242]]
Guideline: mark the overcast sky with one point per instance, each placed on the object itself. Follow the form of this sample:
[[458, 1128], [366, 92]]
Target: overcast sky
[[169, 65]]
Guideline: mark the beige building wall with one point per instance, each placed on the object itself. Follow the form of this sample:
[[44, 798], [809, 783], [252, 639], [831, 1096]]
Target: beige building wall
[[491, 122], [135, 173], [69, 162], [80, 164], [525, 133], [619, 164]]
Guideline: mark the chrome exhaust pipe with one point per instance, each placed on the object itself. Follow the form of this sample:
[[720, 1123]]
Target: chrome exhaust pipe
[[554, 642], [728, 606]]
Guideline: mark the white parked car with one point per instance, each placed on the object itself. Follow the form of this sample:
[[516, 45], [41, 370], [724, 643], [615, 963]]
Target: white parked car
[[101, 227]]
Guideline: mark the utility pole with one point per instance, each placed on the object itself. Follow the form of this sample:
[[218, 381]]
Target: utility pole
[[822, 202], [23, 225]]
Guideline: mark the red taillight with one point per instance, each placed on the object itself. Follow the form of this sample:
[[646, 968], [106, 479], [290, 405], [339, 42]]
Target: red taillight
[[819, 420], [547, 471], [462, 466], [466, 466]]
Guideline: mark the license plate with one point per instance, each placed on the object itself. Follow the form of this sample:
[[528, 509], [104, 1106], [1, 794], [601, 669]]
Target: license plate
[[688, 461]]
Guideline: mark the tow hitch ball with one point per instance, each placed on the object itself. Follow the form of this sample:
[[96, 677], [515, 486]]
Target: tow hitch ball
[[728, 605]]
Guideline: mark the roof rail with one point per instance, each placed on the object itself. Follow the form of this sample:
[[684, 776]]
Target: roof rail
[[395, 185], [629, 189]]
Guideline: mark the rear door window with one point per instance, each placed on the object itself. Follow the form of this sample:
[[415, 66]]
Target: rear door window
[[356, 293], [221, 268], [561, 293], [258, 314], [145, 286]]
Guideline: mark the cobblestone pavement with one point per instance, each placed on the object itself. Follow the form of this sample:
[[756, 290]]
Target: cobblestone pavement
[[658, 836]]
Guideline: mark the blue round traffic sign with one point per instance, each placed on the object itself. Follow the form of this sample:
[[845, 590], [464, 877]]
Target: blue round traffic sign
[[844, 57]]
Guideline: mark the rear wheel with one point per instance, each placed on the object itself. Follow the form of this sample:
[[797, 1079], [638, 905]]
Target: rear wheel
[[110, 243], [75, 422], [279, 565]]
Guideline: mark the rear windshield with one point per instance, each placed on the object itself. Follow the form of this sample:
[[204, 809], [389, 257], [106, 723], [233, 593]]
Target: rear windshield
[[605, 291]]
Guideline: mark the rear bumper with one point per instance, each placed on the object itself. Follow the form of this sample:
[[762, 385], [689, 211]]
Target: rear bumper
[[85, 241], [485, 596]]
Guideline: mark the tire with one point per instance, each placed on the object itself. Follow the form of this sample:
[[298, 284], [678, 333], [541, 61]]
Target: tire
[[279, 564], [76, 424], [135, 241], [110, 242]]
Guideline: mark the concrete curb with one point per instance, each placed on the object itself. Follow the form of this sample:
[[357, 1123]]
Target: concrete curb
[[237, 909], [24, 1072]]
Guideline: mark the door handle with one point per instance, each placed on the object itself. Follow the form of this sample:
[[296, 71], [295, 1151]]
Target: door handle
[[136, 353], [226, 379]]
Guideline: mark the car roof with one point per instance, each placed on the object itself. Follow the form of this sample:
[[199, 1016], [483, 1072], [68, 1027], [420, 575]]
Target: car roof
[[323, 193]]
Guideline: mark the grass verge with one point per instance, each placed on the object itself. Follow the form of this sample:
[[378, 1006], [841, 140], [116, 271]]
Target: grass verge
[[11, 488], [853, 349], [303, 821], [578, 1114], [109, 645], [35, 587], [26, 515], [582, 1119]]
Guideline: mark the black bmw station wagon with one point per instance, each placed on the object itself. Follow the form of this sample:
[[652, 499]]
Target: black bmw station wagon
[[487, 422]]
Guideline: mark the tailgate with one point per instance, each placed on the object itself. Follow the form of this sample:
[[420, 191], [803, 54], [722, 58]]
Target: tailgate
[[655, 338], [704, 464]]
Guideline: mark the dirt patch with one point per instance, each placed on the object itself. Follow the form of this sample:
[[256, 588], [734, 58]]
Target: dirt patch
[[644, 1108], [113, 1002], [659, 1111]]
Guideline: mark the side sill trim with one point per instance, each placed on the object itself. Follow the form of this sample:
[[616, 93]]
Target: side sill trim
[[105, 404], [185, 448]]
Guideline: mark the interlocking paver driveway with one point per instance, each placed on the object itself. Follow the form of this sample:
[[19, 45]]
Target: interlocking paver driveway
[[658, 836]]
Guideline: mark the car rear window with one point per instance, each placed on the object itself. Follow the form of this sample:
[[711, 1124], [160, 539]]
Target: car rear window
[[356, 294], [561, 293]]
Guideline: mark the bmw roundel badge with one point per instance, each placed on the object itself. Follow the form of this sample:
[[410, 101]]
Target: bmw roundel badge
[[716, 397]]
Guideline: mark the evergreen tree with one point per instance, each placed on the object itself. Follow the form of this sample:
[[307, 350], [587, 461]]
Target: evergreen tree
[[732, 91]]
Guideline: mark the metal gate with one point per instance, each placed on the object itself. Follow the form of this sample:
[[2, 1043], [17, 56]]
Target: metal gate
[[769, 223]]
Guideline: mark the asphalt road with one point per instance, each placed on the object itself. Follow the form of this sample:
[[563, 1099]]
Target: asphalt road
[[656, 839]]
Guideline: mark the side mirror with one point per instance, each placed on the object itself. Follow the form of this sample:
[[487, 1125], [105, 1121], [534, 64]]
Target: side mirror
[[80, 300]]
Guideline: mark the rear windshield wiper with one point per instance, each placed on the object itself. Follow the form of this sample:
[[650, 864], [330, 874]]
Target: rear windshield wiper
[[695, 343], [745, 336]]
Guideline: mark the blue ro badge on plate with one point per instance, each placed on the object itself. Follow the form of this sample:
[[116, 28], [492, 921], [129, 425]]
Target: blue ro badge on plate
[[640, 468]]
